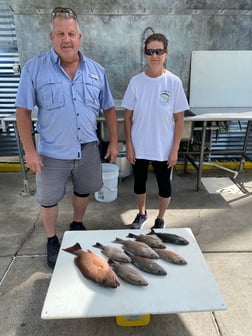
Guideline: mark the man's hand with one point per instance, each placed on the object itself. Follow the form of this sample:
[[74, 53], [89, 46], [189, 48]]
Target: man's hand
[[33, 161]]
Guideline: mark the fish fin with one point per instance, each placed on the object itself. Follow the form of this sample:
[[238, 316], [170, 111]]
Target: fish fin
[[117, 240], [73, 248], [99, 245], [128, 253], [131, 235], [111, 261]]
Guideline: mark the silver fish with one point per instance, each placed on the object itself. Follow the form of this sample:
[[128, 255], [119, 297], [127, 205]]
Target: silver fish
[[171, 256], [151, 240], [138, 248], [127, 273], [114, 253], [147, 265]]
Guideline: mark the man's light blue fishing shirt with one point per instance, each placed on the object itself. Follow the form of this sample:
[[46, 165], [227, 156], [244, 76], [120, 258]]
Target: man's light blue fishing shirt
[[67, 109]]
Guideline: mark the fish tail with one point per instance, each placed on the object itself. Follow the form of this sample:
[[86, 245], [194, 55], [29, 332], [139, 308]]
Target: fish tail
[[73, 248], [151, 232], [118, 240], [99, 245], [131, 235]]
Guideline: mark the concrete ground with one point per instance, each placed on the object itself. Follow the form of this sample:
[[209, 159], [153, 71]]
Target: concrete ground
[[221, 224]]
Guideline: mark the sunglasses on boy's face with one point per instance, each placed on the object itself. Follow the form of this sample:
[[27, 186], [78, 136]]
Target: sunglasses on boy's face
[[61, 10], [159, 52]]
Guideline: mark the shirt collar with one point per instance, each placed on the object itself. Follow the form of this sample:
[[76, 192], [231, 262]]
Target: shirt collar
[[56, 58]]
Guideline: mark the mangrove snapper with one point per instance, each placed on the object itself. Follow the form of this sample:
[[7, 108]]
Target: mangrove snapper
[[114, 253], [171, 256], [151, 240], [127, 273], [137, 248], [147, 265]]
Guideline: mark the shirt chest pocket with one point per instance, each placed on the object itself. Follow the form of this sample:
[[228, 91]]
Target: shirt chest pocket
[[50, 95], [92, 91]]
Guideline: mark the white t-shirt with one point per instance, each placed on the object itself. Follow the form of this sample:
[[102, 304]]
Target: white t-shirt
[[154, 101]]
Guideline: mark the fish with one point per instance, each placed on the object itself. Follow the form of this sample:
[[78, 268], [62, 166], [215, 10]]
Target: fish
[[127, 273], [171, 256], [151, 240], [114, 253], [137, 248], [147, 265], [170, 238], [93, 266]]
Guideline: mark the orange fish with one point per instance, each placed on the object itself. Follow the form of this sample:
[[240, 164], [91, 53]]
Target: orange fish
[[93, 266]]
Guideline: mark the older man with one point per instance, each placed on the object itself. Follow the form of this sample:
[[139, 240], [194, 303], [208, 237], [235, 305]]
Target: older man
[[69, 91]]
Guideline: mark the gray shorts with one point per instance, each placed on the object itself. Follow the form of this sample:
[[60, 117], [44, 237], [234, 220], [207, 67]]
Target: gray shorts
[[86, 175]]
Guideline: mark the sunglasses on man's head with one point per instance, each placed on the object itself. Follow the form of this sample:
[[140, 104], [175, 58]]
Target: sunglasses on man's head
[[159, 52], [61, 10]]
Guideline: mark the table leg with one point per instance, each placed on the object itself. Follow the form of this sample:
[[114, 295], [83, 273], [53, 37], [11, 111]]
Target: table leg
[[244, 149], [201, 159], [26, 191]]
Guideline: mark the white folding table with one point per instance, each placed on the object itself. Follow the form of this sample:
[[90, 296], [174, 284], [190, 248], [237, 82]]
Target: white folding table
[[189, 288], [218, 114], [220, 90]]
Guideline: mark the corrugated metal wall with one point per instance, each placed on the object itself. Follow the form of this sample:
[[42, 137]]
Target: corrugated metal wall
[[8, 79], [230, 137]]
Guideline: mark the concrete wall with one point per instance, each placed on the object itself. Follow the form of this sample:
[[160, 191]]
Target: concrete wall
[[114, 31]]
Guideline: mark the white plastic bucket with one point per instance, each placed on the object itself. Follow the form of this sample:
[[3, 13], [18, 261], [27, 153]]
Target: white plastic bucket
[[125, 168], [108, 193]]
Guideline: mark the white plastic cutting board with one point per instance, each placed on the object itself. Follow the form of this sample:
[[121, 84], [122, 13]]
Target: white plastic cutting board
[[184, 289]]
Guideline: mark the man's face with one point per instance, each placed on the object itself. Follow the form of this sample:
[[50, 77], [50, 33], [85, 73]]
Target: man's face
[[65, 38]]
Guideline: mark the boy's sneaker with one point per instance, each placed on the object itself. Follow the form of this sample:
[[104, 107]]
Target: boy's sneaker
[[139, 221], [52, 252], [77, 226], [159, 224]]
